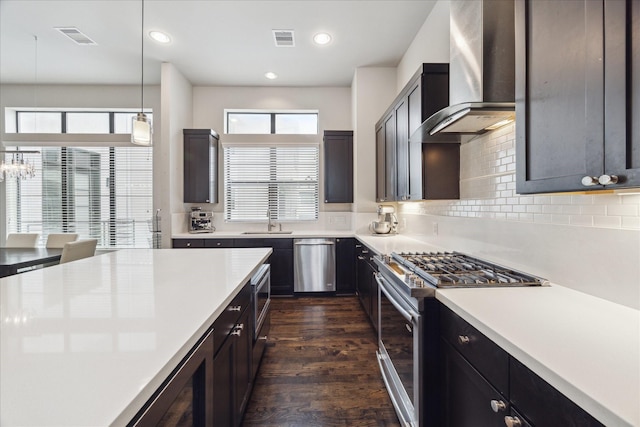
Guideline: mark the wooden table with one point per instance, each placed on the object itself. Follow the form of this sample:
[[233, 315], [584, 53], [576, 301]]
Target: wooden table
[[13, 259]]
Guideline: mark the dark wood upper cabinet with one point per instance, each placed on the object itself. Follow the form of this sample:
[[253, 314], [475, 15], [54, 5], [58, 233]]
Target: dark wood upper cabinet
[[338, 166], [402, 173], [577, 108], [200, 166]]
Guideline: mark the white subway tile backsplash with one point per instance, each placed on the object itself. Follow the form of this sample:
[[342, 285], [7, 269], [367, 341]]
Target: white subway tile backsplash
[[487, 190], [622, 210]]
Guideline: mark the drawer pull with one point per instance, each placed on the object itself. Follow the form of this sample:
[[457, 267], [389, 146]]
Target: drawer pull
[[264, 338], [498, 405], [409, 328], [512, 421], [463, 340], [240, 326], [188, 244], [235, 308], [236, 332]]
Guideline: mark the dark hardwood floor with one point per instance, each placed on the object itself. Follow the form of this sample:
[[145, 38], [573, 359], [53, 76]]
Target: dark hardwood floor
[[319, 368]]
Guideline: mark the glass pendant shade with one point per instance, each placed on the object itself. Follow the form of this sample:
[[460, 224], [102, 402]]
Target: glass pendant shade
[[141, 132]]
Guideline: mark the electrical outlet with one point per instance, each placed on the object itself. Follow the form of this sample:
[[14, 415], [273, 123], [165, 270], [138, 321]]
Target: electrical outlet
[[435, 228]]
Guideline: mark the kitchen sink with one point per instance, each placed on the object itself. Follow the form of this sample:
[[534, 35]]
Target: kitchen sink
[[267, 232]]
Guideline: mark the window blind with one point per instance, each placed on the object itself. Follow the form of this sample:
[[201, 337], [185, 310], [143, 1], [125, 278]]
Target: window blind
[[97, 192], [280, 179]]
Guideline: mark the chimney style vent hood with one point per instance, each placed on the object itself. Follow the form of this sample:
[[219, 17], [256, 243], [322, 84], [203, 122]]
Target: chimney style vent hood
[[481, 71]]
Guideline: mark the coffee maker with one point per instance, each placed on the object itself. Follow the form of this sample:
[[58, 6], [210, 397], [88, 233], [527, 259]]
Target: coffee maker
[[201, 221], [387, 222]]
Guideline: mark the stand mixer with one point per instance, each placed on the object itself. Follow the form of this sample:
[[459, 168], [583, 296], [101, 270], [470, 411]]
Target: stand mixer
[[387, 221]]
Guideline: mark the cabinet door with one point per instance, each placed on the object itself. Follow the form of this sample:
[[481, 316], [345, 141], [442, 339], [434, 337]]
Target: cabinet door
[[345, 266], [381, 167], [402, 149], [375, 297], [363, 279], [243, 356], [282, 272], [338, 166], [390, 158], [559, 94], [200, 166], [622, 92], [186, 397], [223, 385], [415, 149], [466, 396]]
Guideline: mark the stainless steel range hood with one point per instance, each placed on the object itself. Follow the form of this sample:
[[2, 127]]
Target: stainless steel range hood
[[481, 71]]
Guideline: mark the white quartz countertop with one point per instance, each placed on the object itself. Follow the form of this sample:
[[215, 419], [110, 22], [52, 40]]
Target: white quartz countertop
[[86, 343], [586, 347], [260, 235]]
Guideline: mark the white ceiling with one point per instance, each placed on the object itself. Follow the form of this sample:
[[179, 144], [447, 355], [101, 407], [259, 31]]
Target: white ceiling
[[227, 43]]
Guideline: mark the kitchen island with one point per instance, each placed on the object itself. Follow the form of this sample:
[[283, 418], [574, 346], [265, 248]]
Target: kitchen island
[[88, 342]]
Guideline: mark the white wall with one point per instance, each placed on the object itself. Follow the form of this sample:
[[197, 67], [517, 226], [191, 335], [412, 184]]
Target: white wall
[[334, 113], [177, 114], [373, 90], [431, 44]]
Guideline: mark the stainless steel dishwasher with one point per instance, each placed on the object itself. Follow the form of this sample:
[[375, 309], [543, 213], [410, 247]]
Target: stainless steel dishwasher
[[314, 265]]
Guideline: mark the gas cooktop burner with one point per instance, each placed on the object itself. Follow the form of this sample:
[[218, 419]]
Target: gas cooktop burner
[[457, 270]]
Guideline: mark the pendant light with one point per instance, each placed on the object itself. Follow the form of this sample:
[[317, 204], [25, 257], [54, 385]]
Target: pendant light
[[141, 131]]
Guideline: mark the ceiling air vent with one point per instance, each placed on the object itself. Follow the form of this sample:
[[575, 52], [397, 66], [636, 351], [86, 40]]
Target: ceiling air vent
[[76, 35], [284, 38]]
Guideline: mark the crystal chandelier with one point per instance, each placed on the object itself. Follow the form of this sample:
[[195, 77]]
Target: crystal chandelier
[[18, 167]]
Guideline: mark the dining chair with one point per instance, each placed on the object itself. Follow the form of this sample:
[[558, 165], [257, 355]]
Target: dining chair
[[57, 240], [22, 240], [79, 249]]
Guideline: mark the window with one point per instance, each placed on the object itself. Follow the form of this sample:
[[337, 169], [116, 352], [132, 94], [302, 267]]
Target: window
[[98, 192], [280, 179], [300, 123]]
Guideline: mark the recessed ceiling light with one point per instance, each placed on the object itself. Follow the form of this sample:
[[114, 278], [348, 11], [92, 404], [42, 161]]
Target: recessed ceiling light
[[159, 36], [322, 38], [271, 76]]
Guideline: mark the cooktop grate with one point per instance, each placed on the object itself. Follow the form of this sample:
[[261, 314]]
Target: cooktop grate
[[454, 269]]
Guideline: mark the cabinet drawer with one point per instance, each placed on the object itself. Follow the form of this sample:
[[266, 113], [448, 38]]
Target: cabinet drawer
[[541, 403], [188, 243], [229, 317], [218, 243], [489, 359]]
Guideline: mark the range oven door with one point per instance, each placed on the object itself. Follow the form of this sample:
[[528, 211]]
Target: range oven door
[[399, 354], [261, 284]]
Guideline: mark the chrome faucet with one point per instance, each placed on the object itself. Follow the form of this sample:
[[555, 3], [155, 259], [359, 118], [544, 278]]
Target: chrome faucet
[[270, 224]]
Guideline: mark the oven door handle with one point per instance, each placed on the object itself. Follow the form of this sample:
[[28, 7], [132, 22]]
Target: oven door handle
[[408, 314]]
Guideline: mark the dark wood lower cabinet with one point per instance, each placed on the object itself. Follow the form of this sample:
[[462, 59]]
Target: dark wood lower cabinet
[[367, 287], [186, 397], [466, 395], [482, 385], [345, 266]]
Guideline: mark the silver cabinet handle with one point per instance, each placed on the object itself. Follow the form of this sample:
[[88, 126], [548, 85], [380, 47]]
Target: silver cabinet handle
[[240, 326], [589, 181], [608, 179], [512, 421], [463, 339], [235, 308], [361, 257], [236, 332], [188, 244], [409, 328], [498, 405], [264, 338]]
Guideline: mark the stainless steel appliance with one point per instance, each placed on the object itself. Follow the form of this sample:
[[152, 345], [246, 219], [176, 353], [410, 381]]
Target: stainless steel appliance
[[261, 300], [314, 265], [409, 322], [261, 287], [201, 221], [387, 221]]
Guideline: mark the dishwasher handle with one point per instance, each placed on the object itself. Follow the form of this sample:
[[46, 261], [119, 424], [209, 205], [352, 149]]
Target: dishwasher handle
[[327, 243]]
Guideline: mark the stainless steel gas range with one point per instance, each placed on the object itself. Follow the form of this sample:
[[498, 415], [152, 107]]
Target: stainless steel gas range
[[409, 322]]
